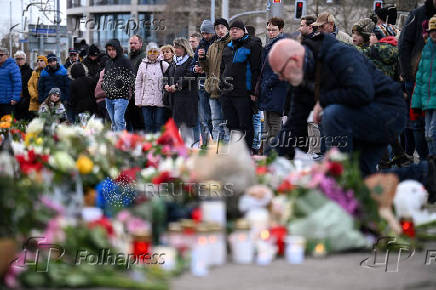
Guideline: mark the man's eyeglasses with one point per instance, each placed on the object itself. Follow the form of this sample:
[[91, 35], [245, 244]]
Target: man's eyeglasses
[[1, 54], [19, 58]]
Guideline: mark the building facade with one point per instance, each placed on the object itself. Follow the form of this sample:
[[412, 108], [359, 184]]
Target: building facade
[[97, 21]]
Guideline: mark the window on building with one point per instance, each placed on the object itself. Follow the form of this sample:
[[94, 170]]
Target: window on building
[[108, 26], [108, 2], [151, 2], [75, 3]]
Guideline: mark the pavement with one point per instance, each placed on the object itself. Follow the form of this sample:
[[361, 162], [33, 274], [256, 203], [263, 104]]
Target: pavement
[[338, 271]]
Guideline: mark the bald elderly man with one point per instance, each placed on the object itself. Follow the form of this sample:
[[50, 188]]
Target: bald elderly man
[[359, 107]]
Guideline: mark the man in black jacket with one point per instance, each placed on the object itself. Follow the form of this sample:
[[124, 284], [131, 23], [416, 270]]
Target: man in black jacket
[[118, 83], [240, 69], [92, 63]]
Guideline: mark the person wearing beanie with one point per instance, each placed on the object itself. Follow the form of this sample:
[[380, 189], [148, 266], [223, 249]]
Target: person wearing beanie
[[210, 62], [32, 85], [382, 29], [240, 66], [424, 95], [221, 21], [73, 57], [53, 105], [10, 83], [92, 63], [208, 37], [362, 31], [54, 75], [149, 89]]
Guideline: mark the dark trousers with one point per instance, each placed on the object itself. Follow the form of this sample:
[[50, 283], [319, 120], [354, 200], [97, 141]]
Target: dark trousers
[[238, 114], [6, 109]]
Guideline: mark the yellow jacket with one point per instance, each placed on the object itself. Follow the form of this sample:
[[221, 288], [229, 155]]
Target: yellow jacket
[[33, 90]]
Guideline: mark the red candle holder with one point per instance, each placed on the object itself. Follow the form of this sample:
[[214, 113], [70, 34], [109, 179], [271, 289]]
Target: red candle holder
[[408, 227], [279, 233], [141, 246]]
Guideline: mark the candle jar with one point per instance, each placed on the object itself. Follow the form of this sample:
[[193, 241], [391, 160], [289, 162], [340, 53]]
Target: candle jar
[[242, 243], [408, 226], [141, 245], [174, 236], [319, 250], [265, 248], [217, 244], [200, 252], [295, 246], [279, 234], [188, 231]]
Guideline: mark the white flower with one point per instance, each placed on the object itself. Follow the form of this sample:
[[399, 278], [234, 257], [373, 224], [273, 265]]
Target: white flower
[[65, 132], [113, 172], [62, 160], [146, 173], [336, 155], [166, 165], [95, 125], [18, 148], [35, 127]]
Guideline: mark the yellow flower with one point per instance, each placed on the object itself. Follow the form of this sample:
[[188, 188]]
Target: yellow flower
[[5, 125], [28, 138], [6, 118], [39, 141], [84, 164]]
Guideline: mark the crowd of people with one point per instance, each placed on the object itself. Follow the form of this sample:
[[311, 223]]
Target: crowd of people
[[371, 91]]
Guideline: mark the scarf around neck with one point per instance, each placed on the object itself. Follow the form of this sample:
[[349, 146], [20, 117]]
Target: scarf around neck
[[179, 60]]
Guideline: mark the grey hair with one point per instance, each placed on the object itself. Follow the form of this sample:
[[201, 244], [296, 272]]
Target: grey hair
[[20, 53]]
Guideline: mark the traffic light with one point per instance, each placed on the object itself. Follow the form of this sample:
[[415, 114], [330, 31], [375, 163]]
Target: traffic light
[[378, 5], [299, 9]]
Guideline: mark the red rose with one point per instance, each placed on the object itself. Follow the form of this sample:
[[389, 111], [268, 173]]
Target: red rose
[[286, 186], [261, 170], [104, 223], [163, 177], [146, 146], [335, 168]]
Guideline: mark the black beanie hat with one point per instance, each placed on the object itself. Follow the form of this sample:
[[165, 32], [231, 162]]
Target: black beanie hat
[[221, 21], [238, 24], [93, 50], [382, 13]]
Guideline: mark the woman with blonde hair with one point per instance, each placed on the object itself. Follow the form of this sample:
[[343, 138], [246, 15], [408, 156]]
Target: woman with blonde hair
[[182, 88]]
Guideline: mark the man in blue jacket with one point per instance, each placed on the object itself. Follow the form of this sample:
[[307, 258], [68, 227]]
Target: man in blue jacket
[[359, 107], [240, 69], [55, 76], [10, 83]]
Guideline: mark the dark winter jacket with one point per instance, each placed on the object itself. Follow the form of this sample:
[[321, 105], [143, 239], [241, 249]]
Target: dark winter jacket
[[240, 67], [119, 80], [93, 67], [272, 90], [349, 78], [184, 102], [69, 63], [384, 54], [136, 58], [82, 90], [411, 41], [56, 78], [10, 82], [205, 45], [22, 107]]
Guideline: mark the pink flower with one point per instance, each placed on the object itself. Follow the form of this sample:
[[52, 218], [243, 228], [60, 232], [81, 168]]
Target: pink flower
[[123, 216], [136, 224]]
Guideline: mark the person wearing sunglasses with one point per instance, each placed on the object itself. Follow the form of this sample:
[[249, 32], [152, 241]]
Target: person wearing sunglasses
[[22, 108], [10, 83], [149, 89], [32, 85]]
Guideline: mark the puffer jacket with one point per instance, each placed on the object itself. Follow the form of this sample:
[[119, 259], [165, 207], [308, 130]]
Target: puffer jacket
[[149, 83], [240, 67], [118, 80], [384, 55], [32, 85], [211, 65], [273, 91], [10, 82], [411, 41], [424, 95], [54, 78]]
